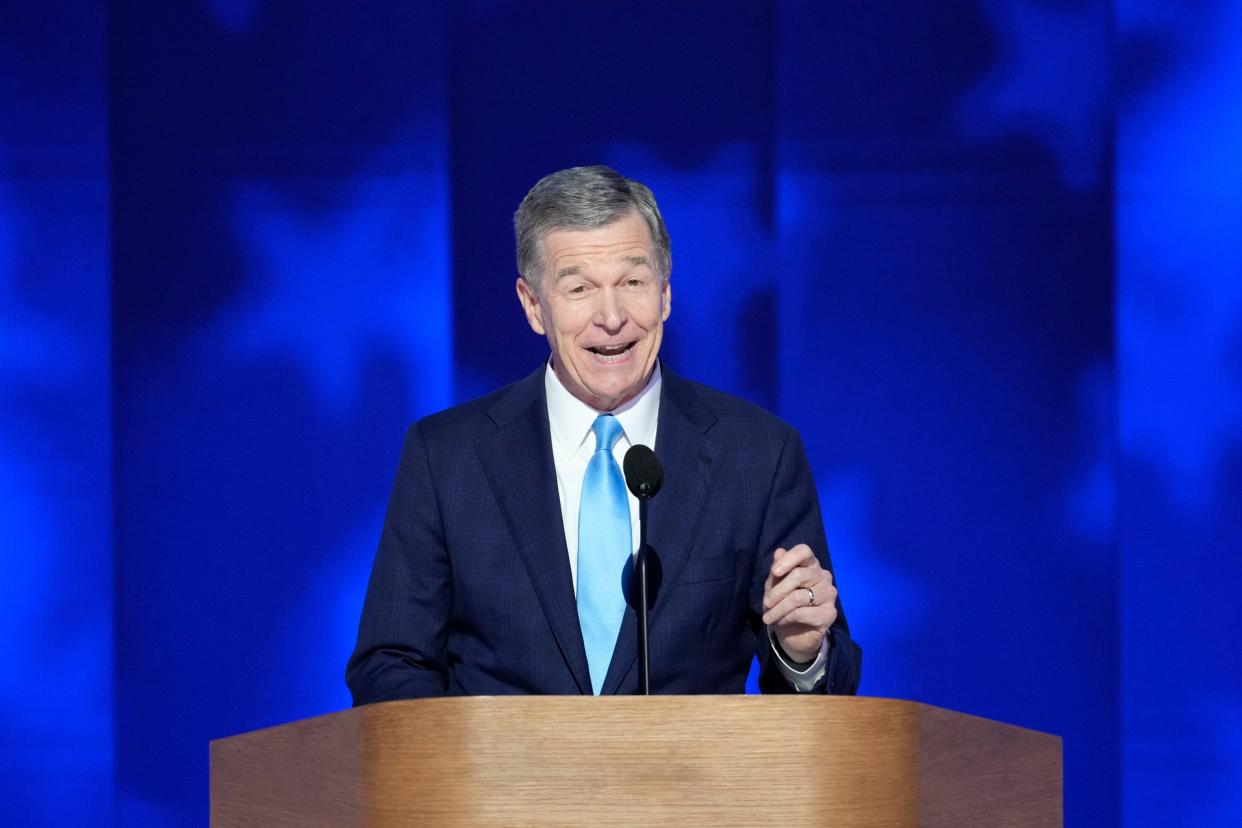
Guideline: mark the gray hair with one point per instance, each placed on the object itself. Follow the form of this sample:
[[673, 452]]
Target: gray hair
[[583, 198]]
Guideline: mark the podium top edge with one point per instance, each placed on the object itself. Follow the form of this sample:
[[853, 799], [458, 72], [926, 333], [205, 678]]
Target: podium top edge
[[512, 704]]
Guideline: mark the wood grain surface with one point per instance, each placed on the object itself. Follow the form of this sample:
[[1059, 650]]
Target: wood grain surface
[[663, 760]]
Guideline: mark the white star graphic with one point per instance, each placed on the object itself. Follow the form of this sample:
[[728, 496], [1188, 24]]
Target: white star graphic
[[1179, 262], [331, 290]]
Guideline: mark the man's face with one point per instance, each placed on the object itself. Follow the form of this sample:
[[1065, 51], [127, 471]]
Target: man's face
[[602, 305]]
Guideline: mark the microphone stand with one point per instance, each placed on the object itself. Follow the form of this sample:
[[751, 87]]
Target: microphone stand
[[643, 477], [640, 568]]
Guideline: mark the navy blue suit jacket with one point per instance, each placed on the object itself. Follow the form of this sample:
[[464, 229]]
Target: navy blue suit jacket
[[471, 591]]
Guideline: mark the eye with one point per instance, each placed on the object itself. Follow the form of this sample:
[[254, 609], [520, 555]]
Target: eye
[[635, 282], [578, 290]]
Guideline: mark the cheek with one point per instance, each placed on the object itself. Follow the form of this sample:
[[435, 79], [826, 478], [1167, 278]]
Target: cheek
[[655, 316], [568, 335], [565, 326]]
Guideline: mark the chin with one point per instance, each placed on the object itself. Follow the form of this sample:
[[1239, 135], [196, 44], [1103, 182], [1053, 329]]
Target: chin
[[614, 398]]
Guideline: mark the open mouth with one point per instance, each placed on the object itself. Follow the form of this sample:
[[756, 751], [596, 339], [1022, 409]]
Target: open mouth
[[612, 351]]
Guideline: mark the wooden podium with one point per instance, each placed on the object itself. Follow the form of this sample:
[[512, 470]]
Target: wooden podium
[[630, 760]]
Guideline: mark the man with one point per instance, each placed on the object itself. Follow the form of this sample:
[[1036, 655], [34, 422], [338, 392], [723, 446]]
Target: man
[[502, 567]]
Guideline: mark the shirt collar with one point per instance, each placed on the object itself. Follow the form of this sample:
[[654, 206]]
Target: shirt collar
[[571, 419]]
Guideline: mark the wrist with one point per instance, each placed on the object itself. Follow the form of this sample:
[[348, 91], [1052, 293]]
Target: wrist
[[796, 659]]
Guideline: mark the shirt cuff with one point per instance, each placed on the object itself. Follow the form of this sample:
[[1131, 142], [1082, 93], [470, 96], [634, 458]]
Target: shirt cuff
[[801, 679]]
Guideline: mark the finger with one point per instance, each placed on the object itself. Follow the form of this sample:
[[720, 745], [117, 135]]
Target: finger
[[799, 555], [810, 574], [786, 618], [794, 603], [796, 595], [800, 578], [816, 617]]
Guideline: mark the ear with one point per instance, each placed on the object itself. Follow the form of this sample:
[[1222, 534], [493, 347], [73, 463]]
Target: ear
[[530, 304], [666, 300]]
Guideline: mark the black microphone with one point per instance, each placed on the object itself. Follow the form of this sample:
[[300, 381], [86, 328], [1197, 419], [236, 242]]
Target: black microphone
[[643, 476]]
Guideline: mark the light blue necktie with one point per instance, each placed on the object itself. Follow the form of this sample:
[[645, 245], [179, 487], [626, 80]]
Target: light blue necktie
[[604, 546]]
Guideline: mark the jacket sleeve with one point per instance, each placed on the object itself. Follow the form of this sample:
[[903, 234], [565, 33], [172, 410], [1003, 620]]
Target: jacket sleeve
[[400, 652], [792, 516]]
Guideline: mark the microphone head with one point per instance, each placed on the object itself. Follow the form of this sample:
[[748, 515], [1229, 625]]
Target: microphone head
[[643, 474]]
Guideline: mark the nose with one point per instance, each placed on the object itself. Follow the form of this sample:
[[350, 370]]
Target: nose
[[611, 315]]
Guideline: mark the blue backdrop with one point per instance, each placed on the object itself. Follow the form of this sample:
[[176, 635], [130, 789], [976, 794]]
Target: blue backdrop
[[986, 255]]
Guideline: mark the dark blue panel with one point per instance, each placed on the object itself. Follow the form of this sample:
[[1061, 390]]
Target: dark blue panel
[[660, 87], [282, 292], [945, 320], [55, 497], [893, 223], [1179, 285]]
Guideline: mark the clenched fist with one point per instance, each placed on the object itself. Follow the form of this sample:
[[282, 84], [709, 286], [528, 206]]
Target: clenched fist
[[799, 602]]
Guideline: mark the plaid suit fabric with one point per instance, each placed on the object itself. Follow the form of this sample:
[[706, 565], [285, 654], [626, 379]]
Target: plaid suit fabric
[[471, 591]]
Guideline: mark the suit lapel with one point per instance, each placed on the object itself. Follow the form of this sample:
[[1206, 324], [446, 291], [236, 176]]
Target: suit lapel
[[691, 461], [517, 460]]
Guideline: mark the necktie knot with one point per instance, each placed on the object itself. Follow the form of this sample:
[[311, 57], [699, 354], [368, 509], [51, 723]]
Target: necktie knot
[[607, 431]]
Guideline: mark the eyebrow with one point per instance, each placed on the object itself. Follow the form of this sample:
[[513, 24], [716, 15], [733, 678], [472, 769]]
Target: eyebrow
[[574, 270]]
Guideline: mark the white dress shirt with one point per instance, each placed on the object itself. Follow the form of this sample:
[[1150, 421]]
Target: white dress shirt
[[573, 443]]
